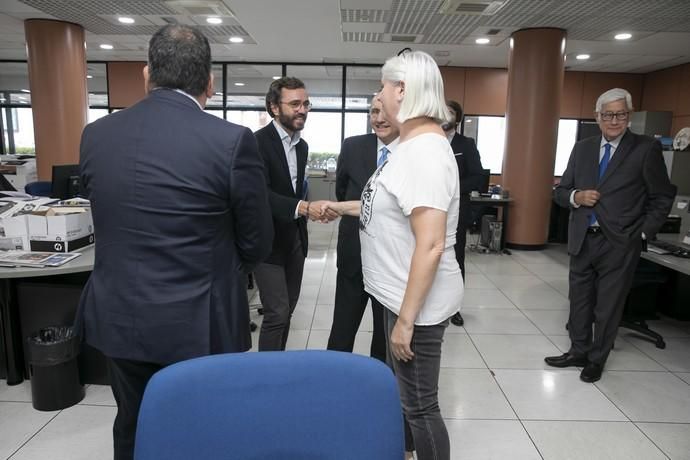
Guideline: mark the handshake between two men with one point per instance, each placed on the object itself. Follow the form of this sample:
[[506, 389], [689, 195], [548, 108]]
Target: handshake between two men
[[325, 211]]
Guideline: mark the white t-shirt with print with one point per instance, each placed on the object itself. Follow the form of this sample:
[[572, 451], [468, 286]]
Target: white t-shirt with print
[[421, 173]]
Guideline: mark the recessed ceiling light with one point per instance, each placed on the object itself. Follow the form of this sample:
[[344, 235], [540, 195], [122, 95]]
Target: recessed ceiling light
[[105, 46], [214, 20], [25, 91], [623, 36], [236, 39], [582, 57], [89, 76], [126, 20], [218, 93], [482, 41], [276, 77], [239, 83]]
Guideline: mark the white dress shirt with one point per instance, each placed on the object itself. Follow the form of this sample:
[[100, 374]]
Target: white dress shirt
[[289, 145]]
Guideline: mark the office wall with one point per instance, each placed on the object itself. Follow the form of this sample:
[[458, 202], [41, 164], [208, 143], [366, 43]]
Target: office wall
[[669, 90], [125, 83], [483, 91]]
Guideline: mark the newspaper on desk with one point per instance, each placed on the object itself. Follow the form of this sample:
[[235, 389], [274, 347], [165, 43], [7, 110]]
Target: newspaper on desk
[[35, 259]]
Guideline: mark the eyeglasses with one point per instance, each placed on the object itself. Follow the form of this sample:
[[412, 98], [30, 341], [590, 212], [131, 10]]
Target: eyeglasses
[[295, 105], [608, 116]]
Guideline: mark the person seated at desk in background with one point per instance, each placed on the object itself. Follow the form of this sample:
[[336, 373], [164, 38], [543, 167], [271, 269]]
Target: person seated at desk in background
[[614, 207], [180, 208], [472, 177]]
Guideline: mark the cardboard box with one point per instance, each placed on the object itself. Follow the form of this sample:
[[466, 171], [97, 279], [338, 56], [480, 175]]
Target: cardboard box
[[15, 233], [60, 233]]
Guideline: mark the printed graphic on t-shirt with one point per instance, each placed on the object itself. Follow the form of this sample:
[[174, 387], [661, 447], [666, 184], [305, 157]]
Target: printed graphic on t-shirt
[[368, 195]]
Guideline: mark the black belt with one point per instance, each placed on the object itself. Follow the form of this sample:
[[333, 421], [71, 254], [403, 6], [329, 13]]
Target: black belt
[[595, 229]]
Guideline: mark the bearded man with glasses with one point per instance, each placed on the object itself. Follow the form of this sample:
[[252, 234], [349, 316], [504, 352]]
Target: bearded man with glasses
[[284, 154], [619, 194]]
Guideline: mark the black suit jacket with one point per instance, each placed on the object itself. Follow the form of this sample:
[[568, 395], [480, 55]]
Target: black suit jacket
[[636, 194], [356, 164], [282, 197], [470, 171], [180, 211]]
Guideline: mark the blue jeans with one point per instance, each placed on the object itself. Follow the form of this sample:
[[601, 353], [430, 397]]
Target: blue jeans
[[425, 430]]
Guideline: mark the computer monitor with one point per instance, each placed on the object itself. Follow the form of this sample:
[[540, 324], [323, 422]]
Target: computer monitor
[[65, 181], [486, 178]]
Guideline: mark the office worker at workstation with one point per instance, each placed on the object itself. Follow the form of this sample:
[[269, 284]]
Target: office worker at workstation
[[358, 159], [471, 178], [284, 154], [619, 194], [408, 216], [180, 208]]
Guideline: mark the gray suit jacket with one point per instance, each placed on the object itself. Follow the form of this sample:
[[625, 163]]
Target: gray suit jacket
[[636, 194]]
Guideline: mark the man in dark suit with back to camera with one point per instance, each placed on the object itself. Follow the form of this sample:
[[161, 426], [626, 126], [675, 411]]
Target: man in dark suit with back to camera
[[619, 194], [358, 159], [284, 154], [180, 211], [471, 178]]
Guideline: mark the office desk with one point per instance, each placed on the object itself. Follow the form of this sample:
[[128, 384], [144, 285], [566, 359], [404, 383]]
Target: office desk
[[676, 292], [11, 343], [677, 264], [503, 204]]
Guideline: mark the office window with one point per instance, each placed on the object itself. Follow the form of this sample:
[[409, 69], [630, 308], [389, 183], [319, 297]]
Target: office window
[[322, 132], [361, 84], [324, 84], [216, 101], [97, 86], [357, 123], [95, 114], [252, 119], [215, 112], [489, 133], [567, 136], [23, 122], [247, 85]]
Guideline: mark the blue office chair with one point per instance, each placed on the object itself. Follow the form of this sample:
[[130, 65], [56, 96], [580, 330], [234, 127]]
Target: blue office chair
[[292, 405], [38, 188]]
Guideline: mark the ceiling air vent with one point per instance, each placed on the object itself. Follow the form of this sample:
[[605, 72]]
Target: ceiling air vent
[[471, 7], [200, 7], [493, 31], [403, 38]]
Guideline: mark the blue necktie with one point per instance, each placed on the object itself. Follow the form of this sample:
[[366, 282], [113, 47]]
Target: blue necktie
[[603, 164], [384, 156]]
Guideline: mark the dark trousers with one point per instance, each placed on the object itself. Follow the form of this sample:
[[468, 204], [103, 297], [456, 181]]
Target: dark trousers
[[128, 381], [279, 288], [425, 431], [461, 237], [600, 279], [350, 303]]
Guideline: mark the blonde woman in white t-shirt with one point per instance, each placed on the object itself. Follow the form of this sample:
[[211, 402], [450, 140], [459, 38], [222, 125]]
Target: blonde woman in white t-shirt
[[408, 217]]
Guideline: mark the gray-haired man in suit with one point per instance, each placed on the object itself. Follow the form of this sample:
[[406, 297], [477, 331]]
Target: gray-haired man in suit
[[358, 159], [619, 194]]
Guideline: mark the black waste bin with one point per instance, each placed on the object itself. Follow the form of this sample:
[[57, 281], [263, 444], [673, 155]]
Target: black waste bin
[[55, 381]]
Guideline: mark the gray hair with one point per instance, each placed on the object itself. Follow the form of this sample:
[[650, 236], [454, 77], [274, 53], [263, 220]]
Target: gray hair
[[423, 86], [615, 94]]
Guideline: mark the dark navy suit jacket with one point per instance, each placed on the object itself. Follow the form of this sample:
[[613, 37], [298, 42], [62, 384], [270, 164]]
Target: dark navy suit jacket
[[181, 215], [282, 197]]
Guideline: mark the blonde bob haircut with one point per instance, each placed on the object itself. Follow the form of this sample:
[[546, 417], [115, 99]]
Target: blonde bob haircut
[[423, 96]]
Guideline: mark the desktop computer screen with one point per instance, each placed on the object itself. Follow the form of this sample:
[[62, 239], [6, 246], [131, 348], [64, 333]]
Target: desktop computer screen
[[65, 181]]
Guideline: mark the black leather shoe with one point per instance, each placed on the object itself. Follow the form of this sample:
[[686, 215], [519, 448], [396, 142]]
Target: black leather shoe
[[566, 360], [457, 319], [591, 373]]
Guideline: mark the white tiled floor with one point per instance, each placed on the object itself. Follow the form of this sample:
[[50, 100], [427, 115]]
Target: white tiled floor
[[499, 399]]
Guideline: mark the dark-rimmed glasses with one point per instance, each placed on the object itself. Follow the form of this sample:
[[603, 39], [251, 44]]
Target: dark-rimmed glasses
[[608, 116]]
